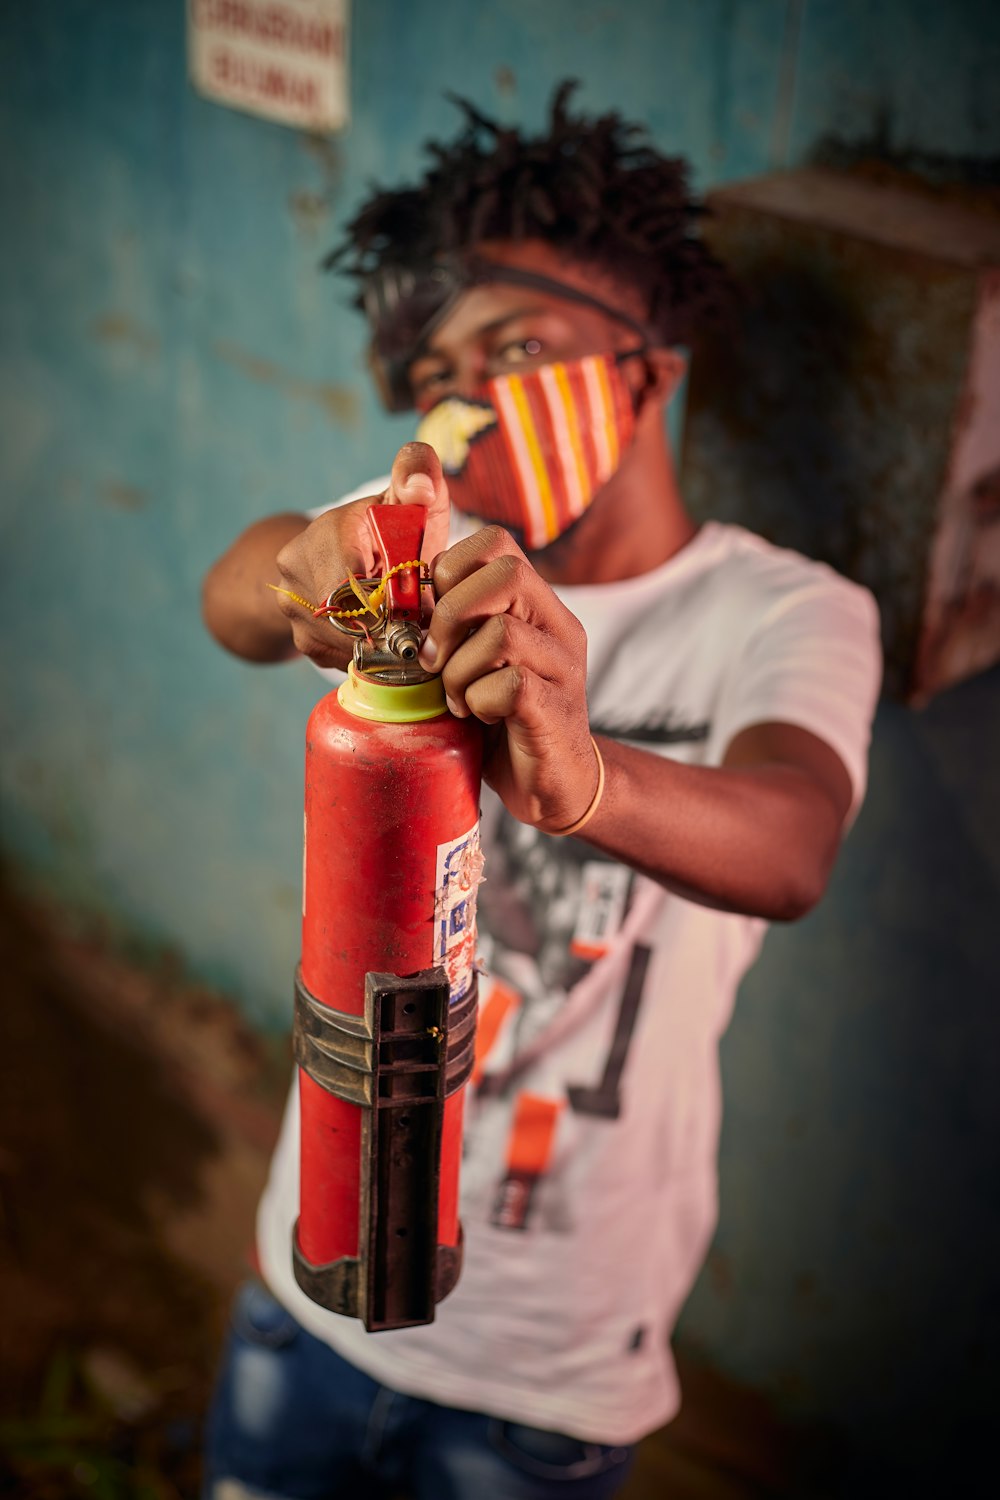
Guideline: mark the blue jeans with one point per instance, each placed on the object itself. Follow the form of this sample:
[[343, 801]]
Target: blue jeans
[[291, 1419]]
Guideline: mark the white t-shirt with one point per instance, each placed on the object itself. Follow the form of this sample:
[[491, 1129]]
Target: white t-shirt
[[588, 1193]]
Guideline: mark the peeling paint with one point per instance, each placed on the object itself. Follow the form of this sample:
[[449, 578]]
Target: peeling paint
[[119, 328], [310, 212], [339, 403], [124, 496], [326, 153], [312, 209]]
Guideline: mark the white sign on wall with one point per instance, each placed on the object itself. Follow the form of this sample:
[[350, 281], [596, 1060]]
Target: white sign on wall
[[283, 59]]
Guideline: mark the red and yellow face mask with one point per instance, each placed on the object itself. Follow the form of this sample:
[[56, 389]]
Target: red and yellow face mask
[[531, 451]]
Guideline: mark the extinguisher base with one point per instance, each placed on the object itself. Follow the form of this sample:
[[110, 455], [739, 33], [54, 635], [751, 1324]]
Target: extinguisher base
[[341, 1285], [398, 1062]]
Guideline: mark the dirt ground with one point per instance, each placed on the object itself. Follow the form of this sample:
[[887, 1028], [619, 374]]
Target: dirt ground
[[137, 1113]]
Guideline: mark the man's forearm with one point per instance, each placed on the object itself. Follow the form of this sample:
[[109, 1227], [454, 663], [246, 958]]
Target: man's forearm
[[237, 605], [757, 839]]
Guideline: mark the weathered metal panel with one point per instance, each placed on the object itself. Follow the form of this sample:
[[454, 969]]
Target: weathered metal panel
[[961, 626], [826, 419]]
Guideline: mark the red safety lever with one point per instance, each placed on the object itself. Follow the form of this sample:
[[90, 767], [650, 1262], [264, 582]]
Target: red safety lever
[[399, 533]]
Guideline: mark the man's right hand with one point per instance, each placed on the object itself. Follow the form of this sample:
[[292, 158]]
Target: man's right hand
[[310, 560]]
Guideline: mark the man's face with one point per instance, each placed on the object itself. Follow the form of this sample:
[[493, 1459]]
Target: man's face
[[500, 330]]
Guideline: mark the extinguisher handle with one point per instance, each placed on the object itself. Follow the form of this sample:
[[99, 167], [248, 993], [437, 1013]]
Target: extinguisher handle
[[399, 533]]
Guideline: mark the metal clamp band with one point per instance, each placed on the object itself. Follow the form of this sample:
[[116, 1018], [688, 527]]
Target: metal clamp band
[[397, 1062], [400, 1035]]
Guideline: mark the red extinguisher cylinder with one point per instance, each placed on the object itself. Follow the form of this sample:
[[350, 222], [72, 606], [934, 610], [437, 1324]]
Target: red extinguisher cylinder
[[330, 1151], [385, 997]]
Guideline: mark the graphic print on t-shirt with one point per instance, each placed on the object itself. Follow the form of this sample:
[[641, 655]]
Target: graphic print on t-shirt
[[532, 905], [529, 1154], [549, 910], [670, 728], [603, 1097]]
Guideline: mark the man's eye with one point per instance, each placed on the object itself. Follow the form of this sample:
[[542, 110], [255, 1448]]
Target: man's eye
[[519, 350], [433, 381]]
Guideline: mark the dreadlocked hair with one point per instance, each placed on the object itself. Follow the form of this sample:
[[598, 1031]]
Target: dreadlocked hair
[[591, 186]]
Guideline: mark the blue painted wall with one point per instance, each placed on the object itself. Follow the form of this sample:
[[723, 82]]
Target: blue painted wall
[[172, 366]]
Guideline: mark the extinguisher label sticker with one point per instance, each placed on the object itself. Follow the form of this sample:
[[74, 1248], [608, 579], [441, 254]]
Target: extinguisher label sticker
[[459, 871]]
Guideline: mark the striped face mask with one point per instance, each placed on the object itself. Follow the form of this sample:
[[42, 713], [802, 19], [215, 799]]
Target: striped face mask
[[531, 451]]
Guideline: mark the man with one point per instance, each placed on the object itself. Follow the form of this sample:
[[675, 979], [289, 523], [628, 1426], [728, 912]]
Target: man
[[693, 704]]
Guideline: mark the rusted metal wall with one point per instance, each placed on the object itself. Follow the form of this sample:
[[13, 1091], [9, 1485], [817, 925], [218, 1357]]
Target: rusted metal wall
[[853, 408]]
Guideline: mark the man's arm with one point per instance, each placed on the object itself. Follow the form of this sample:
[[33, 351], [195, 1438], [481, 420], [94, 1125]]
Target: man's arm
[[306, 560], [757, 835], [236, 603]]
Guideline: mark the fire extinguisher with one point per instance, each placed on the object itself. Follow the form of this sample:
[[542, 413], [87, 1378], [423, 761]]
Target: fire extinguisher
[[386, 990]]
